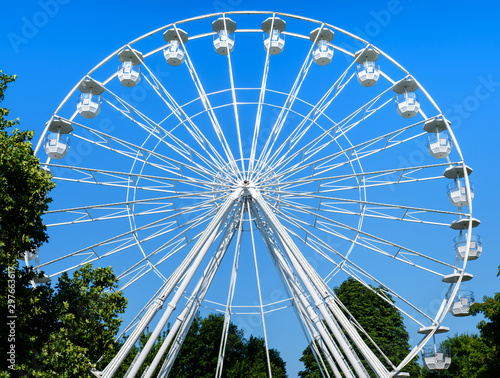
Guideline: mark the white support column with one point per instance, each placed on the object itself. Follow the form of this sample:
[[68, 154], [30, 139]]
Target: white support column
[[292, 251], [229, 303], [198, 294], [302, 303], [173, 280], [213, 230]]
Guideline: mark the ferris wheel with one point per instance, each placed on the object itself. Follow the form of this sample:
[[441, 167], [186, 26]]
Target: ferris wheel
[[295, 155]]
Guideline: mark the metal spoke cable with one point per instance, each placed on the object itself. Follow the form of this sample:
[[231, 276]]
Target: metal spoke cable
[[365, 234], [132, 151], [259, 291], [213, 156], [314, 114], [116, 237], [353, 149], [210, 112], [184, 321], [230, 298]]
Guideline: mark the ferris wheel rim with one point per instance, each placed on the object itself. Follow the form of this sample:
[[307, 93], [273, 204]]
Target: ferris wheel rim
[[437, 322]]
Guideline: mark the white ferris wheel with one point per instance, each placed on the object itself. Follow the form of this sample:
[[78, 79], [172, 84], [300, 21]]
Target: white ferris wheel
[[207, 179]]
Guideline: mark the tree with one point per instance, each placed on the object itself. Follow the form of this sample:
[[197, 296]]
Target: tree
[[244, 358], [45, 332], [198, 356], [382, 321], [489, 329], [24, 189], [63, 331], [469, 358], [473, 355]]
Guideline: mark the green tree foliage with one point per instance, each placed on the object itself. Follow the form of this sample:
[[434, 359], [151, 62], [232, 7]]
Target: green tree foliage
[[472, 355], [55, 333], [383, 322], [23, 189], [244, 358], [469, 358], [199, 353], [62, 332], [311, 369], [489, 329]]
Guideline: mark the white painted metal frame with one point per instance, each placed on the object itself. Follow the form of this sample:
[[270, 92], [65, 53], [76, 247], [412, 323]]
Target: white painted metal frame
[[190, 184]]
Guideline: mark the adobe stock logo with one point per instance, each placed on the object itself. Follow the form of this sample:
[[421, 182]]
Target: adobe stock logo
[[30, 26]]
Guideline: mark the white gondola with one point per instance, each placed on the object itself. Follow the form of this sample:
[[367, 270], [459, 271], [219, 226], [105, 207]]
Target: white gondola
[[407, 103], [89, 105], [457, 193], [367, 72], [224, 39], [274, 40], [89, 101], [436, 359], [173, 53], [129, 73], [462, 302], [475, 246], [56, 143], [28, 256], [44, 279], [323, 54], [439, 145]]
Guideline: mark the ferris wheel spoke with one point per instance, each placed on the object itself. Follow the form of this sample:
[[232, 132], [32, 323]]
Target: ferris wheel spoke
[[349, 155], [127, 180], [339, 129], [326, 224], [381, 210], [285, 110], [327, 181], [118, 210], [210, 112], [259, 291], [126, 239], [151, 127], [348, 266], [356, 272], [132, 151], [258, 117], [144, 265], [175, 244], [314, 114], [235, 103], [155, 129], [213, 156], [230, 297]]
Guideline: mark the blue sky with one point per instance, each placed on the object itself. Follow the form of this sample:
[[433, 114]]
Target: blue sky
[[451, 48]]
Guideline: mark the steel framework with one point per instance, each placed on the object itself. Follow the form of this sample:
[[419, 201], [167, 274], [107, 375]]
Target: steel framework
[[193, 161]]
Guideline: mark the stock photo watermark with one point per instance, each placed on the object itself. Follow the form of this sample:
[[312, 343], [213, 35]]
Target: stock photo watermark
[[226, 5], [11, 319], [31, 25], [380, 19], [484, 89]]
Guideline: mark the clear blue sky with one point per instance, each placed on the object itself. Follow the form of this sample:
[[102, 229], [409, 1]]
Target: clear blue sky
[[452, 48]]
